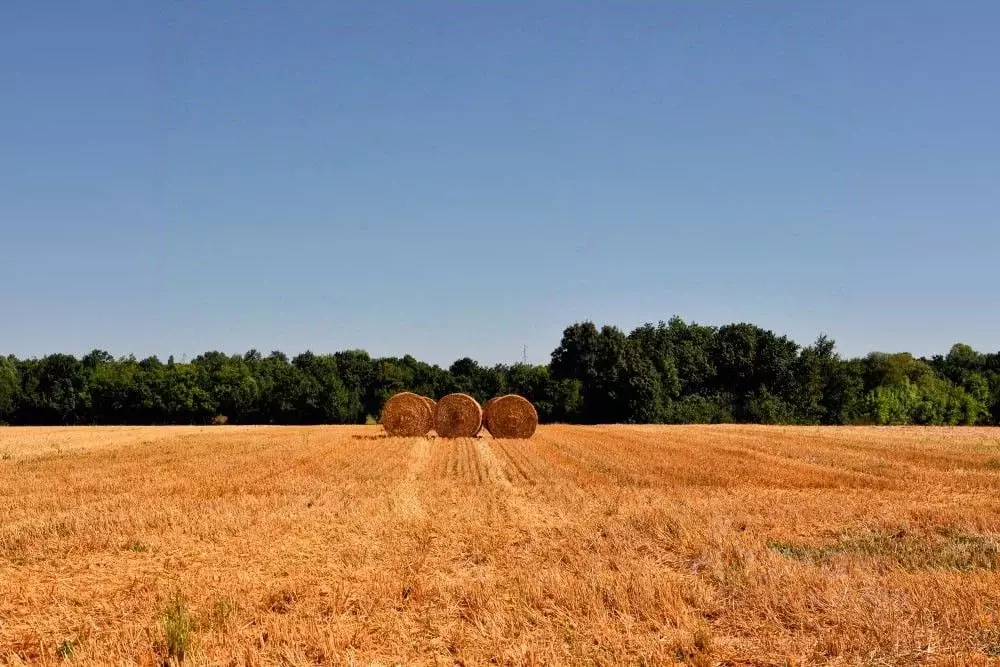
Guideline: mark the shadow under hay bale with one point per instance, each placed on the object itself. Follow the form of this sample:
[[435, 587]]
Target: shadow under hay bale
[[511, 416], [407, 415], [458, 416]]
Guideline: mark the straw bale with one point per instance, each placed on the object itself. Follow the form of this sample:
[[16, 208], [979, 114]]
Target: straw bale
[[407, 415], [458, 416], [511, 416]]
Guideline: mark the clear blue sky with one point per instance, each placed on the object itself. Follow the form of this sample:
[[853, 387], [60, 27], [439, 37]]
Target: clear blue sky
[[459, 179]]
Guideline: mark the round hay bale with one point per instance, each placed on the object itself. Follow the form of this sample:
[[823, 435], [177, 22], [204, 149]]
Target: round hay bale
[[486, 413], [458, 416], [407, 415], [512, 416]]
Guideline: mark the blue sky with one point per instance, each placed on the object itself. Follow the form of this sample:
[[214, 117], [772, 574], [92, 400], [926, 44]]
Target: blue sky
[[464, 178]]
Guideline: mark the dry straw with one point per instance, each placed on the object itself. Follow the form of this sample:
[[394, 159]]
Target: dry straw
[[458, 416], [432, 404], [407, 415], [511, 416]]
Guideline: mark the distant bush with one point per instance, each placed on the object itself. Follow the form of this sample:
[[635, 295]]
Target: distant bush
[[698, 410]]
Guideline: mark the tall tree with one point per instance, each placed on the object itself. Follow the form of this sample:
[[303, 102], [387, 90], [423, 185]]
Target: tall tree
[[668, 372], [10, 387]]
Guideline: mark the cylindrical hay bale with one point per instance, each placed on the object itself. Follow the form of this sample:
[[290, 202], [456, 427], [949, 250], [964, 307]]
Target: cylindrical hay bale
[[512, 416], [407, 415], [458, 416], [486, 413]]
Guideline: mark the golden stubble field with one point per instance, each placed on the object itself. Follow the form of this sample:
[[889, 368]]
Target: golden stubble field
[[618, 544]]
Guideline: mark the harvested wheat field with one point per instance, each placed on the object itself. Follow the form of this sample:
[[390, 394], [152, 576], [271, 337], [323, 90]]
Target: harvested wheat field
[[337, 545]]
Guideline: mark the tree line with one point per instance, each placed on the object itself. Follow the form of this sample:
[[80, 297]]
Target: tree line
[[670, 372]]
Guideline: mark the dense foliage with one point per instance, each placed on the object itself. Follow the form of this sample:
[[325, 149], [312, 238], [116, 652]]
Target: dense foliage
[[672, 372]]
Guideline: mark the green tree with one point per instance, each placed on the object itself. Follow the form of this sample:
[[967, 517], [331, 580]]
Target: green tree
[[673, 371], [118, 392], [844, 400], [763, 407], [657, 346], [617, 382], [690, 346], [753, 362], [54, 391], [230, 382], [323, 398], [356, 371], [10, 387], [700, 409]]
